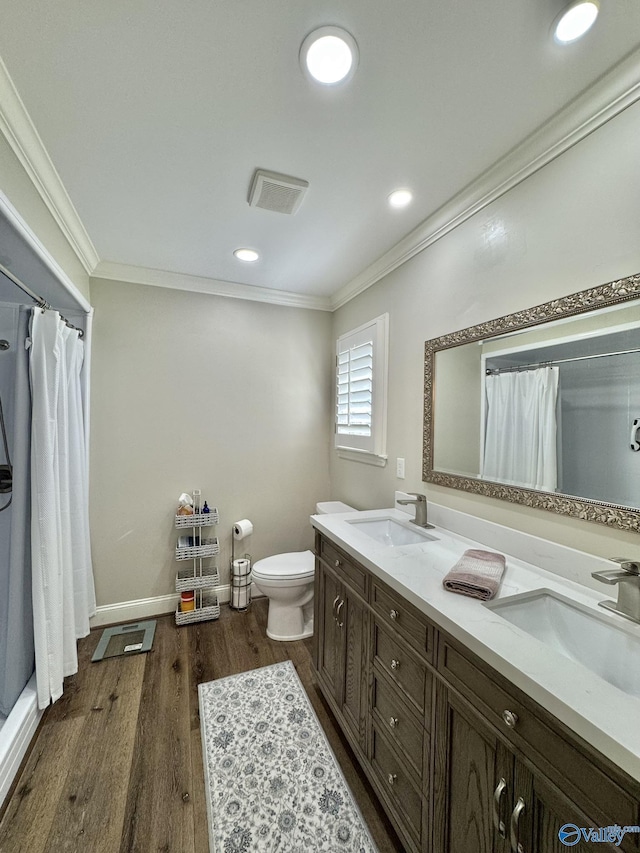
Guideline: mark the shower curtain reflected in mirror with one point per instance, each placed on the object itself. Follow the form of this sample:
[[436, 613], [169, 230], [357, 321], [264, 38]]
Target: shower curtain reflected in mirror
[[520, 431]]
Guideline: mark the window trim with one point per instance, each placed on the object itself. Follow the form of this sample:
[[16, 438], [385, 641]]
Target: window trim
[[373, 450]]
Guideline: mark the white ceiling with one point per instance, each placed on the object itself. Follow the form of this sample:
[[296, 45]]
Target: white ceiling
[[155, 114]]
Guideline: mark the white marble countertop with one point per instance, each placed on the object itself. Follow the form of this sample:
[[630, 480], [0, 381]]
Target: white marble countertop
[[602, 714]]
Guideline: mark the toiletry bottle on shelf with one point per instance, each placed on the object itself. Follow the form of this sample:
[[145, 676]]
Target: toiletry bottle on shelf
[[205, 508], [187, 601]]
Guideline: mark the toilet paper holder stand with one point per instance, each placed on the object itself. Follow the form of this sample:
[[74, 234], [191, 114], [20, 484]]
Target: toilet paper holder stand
[[240, 592]]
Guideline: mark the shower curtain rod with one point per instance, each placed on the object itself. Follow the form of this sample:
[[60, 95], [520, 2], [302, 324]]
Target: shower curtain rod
[[40, 301], [496, 370]]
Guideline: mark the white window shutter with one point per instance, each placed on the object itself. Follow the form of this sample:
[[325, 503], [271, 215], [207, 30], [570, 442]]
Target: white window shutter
[[361, 388]]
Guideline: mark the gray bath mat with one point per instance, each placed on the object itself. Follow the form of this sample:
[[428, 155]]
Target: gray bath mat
[[125, 640], [272, 782]]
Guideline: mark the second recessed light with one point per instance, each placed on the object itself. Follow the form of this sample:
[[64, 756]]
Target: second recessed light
[[575, 21], [246, 255], [400, 198], [329, 55]]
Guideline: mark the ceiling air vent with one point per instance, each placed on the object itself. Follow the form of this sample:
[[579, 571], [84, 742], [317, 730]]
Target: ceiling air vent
[[281, 193]]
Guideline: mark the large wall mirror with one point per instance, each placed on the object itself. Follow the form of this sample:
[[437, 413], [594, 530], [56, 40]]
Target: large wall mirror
[[542, 407]]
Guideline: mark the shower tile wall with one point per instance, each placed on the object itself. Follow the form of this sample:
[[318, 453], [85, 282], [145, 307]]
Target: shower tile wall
[[599, 401], [8, 331]]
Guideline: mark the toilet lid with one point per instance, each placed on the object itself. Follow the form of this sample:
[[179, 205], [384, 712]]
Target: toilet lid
[[297, 564]]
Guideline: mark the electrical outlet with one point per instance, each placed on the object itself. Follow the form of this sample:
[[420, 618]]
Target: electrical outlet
[[400, 468]]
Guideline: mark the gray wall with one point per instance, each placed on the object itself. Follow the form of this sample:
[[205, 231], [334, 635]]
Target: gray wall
[[570, 226], [197, 391]]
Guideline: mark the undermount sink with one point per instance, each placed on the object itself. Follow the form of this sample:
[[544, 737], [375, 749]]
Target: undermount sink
[[390, 532], [590, 638]]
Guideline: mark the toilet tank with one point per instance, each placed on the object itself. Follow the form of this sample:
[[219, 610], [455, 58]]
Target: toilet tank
[[330, 507]]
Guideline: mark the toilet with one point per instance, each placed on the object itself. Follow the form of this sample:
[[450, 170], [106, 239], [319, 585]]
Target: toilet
[[287, 581]]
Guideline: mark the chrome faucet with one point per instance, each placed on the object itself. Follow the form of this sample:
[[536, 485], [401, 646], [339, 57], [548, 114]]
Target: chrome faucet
[[627, 577], [420, 504]]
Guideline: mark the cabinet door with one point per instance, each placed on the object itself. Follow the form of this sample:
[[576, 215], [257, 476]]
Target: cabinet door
[[329, 653], [473, 781], [544, 811], [352, 621]]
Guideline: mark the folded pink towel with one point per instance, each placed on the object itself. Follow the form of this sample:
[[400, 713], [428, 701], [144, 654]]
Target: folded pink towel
[[477, 573]]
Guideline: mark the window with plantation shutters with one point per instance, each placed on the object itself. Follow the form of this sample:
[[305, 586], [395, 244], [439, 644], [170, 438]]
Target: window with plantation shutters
[[355, 389], [361, 390]]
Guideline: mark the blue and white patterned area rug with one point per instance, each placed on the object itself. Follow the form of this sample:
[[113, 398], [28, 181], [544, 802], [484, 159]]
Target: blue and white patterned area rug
[[272, 782]]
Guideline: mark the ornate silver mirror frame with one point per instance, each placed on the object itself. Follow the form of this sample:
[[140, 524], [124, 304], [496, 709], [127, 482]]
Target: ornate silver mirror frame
[[613, 515]]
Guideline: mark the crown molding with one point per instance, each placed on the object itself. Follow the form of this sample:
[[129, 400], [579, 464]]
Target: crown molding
[[608, 97], [25, 142], [110, 271]]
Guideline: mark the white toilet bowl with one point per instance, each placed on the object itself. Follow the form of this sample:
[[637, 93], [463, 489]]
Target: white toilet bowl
[[287, 581]]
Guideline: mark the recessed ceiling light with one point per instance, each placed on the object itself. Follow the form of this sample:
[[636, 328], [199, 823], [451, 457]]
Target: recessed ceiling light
[[329, 55], [247, 255], [400, 198], [574, 21]]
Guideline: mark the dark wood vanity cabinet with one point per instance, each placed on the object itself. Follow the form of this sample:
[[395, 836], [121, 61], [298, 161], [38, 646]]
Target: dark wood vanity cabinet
[[376, 682], [473, 778], [400, 701], [461, 759], [340, 647], [508, 775]]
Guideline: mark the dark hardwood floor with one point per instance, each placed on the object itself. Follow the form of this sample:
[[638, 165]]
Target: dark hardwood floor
[[116, 765]]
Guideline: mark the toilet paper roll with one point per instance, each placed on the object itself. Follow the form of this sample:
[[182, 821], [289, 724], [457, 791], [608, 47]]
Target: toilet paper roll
[[241, 568], [242, 528]]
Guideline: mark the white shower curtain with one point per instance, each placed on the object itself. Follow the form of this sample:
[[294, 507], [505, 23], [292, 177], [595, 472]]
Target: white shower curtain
[[63, 591], [520, 435]]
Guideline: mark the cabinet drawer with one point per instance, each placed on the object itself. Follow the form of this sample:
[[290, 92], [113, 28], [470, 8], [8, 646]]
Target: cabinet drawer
[[394, 717], [592, 782], [396, 783], [407, 620], [397, 661], [349, 572]]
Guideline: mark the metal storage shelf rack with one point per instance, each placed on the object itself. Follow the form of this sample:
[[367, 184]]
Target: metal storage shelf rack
[[197, 577]]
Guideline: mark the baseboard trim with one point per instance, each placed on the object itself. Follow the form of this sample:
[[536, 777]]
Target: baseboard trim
[[145, 608]]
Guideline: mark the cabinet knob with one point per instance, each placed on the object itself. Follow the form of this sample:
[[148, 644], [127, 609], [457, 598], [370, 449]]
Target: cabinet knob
[[393, 614], [337, 564], [392, 778], [510, 718], [395, 664], [393, 722]]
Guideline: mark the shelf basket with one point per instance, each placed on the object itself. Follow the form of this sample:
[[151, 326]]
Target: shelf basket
[[186, 579], [209, 609], [208, 548], [200, 519]]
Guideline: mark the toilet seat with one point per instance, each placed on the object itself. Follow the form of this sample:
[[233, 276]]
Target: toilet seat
[[292, 566]]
